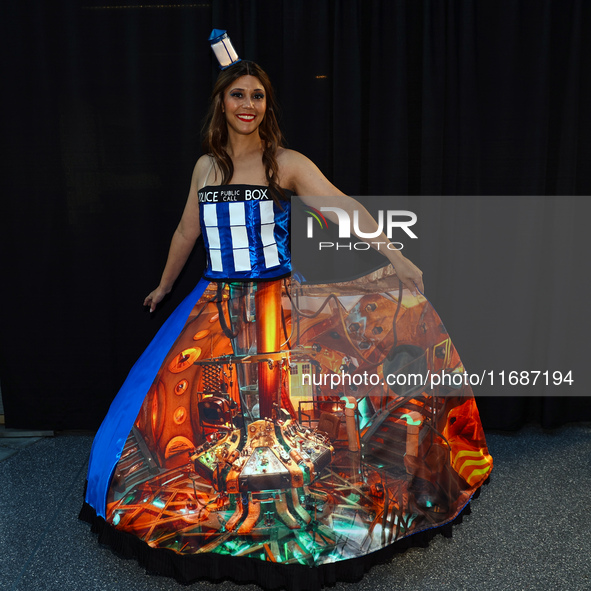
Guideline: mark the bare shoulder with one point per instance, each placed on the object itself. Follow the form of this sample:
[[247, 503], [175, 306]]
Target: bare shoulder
[[203, 164], [302, 176], [293, 166], [201, 169], [291, 159]]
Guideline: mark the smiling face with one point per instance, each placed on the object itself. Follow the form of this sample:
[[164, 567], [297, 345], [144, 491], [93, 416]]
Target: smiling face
[[244, 105]]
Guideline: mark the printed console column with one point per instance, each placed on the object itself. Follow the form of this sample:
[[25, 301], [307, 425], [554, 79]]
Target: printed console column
[[268, 333]]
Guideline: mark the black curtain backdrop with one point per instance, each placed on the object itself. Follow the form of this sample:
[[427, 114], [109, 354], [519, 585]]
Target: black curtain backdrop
[[102, 105]]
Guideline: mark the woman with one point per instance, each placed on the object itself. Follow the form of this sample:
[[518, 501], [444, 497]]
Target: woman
[[271, 431], [244, 138]]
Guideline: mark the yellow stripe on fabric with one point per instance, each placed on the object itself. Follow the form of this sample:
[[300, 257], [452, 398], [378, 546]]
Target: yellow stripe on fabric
[[473, 478], [465, 452], [475, 463]]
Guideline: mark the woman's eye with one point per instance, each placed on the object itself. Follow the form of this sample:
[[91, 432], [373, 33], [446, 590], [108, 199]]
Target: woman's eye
[[259, 96], [236, 94]]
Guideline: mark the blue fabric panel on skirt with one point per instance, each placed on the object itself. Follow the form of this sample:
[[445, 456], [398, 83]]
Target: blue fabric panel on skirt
[[246, 240], [110, 438]]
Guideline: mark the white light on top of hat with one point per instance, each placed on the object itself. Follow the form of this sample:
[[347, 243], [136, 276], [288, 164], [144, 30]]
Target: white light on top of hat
[[223, 49]]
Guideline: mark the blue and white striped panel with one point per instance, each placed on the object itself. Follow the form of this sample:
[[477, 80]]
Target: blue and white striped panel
[[240, 242], [244, 244], [210, 221], [270, 252]]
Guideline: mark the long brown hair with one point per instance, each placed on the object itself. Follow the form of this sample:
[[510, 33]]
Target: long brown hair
[[215, 129]]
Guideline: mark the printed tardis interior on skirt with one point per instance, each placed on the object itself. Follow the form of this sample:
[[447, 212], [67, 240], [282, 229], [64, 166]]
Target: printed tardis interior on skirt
[[246, 445], [246, 232]]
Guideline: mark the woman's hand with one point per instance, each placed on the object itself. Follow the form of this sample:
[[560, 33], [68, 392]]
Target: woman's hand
[[155, 297], [408, 273]]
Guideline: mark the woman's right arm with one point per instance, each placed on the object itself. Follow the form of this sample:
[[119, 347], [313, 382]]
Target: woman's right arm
[[183, 238]]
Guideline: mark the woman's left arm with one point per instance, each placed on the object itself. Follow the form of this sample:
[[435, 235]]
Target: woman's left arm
[[315, 190]]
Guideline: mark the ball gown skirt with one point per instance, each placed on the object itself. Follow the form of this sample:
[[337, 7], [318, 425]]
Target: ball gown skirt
[[288, 434]]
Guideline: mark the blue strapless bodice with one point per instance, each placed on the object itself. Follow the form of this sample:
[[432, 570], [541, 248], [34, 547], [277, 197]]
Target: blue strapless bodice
[[246, 233]]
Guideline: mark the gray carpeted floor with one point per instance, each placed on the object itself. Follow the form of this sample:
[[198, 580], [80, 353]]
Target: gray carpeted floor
[[530, 528]]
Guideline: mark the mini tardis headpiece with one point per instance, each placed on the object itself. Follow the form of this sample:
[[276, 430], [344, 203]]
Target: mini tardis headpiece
[[222, 47]]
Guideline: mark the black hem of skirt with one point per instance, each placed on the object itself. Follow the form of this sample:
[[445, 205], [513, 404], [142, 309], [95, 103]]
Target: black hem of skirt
[[187, 569]]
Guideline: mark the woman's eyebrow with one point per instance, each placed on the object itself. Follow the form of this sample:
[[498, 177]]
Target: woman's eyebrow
[[253, 90]]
